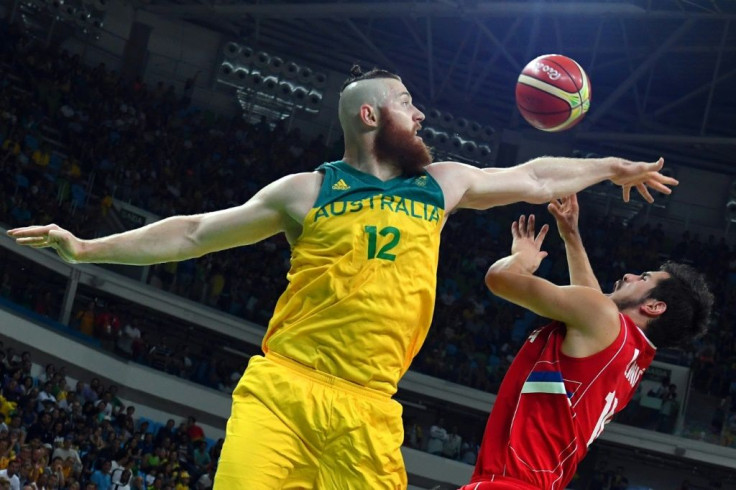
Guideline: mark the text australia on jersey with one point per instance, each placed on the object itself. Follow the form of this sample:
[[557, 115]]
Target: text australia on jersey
[[396, 204]]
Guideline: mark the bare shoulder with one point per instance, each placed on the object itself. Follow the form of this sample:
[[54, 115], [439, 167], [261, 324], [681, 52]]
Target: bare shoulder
[[448, 169], [593, 323], [297, 193], [303, 186], [302, 180], [454, 178]]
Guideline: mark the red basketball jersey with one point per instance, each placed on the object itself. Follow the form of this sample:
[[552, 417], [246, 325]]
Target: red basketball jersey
[[551, 407]]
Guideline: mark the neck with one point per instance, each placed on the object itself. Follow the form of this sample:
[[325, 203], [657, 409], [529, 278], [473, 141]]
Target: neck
[[639, 320], [362, 158]]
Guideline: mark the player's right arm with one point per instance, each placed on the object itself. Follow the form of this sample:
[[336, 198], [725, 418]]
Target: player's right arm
[[566, 213], [542, 179], [278, 207], [592, 319]]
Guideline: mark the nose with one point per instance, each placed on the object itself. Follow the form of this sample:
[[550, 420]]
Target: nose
[[629, 277], [420, 116]]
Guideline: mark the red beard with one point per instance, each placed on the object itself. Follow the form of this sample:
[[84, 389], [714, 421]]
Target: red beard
[[401, 146]]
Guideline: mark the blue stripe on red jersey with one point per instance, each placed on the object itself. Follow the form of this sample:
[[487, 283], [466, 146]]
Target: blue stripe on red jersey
[[549, 382]]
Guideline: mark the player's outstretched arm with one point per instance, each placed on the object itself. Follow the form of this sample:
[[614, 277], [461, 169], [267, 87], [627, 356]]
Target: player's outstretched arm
[[566, 213], [513, 279], [543, 179], [180, 237]]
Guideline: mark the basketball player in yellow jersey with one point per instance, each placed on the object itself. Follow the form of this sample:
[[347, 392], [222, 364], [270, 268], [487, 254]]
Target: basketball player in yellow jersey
[[316, 410]]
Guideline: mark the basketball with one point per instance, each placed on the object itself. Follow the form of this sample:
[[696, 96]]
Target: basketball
[[553, 93]]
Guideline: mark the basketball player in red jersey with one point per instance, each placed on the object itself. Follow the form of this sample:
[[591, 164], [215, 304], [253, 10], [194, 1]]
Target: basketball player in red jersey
[[571, 376]]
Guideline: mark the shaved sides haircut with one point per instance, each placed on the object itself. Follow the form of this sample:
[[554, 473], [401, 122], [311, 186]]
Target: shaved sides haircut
[[356, 75]]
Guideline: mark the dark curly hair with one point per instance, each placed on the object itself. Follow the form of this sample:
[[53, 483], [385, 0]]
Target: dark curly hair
[[689, 302], [356, 75]]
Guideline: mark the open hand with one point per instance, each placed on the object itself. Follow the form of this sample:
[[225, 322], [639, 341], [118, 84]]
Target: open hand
[[50, 236], [526, 246], [643, 176]]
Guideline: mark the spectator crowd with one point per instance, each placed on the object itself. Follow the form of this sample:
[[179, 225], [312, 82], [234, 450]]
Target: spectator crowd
[[55, 436], [75, 138]]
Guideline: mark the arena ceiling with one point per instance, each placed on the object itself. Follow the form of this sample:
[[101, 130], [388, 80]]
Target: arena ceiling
[[663, 72]]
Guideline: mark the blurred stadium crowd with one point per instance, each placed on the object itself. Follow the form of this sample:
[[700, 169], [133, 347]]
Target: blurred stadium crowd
[[74, 138]]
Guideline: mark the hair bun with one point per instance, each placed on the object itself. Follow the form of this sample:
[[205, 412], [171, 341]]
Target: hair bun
[[356, 71]]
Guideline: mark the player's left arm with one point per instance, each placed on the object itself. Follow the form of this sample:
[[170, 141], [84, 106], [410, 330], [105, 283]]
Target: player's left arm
[[542, 179]]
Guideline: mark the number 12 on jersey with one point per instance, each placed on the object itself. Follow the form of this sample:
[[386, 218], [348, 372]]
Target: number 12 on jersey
[[392, 236]]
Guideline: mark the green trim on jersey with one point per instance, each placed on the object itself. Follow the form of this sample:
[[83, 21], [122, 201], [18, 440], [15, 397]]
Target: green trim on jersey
[[343, 182]]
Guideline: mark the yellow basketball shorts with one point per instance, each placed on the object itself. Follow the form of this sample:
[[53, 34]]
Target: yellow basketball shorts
[[292, 427]]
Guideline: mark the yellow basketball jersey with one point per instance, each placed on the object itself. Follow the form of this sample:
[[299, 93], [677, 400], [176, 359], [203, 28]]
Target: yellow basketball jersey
[[363, 277]]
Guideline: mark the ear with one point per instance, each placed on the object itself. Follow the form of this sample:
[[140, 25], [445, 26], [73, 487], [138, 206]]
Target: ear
[[653, 308], [369, 115]]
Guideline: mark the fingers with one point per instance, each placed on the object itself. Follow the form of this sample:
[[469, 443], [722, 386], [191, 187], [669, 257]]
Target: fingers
[[646, 174], [524, 227], [659, 164], [31, 231], [519, 227], [564, 209], [37, 242], [37, 236], [644, 191], [542, 234], [667, 180], [564, 203], [661, 188], [626, 189], [554, 209], [558, 211], [32, 241], [660, 182], [528, 229]]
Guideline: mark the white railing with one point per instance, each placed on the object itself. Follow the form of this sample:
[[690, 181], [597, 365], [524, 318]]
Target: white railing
[[208, 319]]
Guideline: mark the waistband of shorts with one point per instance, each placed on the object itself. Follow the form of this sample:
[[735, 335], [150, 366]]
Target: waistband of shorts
[[326, 379]]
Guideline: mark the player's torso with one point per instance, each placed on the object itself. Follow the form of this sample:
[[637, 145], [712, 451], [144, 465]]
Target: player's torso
[[551, 407], [362, 279]]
